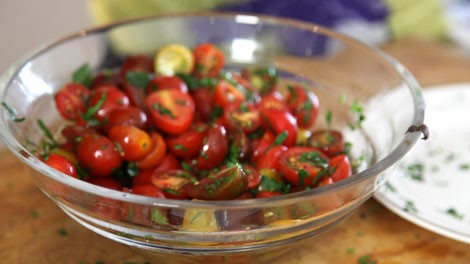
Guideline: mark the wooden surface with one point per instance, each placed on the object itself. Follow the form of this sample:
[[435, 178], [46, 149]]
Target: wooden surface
[[34, 230]]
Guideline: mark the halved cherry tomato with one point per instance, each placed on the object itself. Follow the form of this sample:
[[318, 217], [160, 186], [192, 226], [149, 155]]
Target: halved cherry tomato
[[169, 162], [304, 105], [137, 63], [172, 111], [126, 115], [133, 142], [113, 98], [226, 93], [74, 133], [264, 80], [273, 100], [329, 141], [98, 155], [341, 166], [209, 60], [214, 150], [106, 78], [156, 155], [106, 183], [253, 176], [189, 143], [279, 122], [260, 146], [239, 144], [303, 166], [223, 185], [143, 177], [166, 83], [173, 182], [61, 164], [203, 98], [71, 100], [270, 159], [243, 115]]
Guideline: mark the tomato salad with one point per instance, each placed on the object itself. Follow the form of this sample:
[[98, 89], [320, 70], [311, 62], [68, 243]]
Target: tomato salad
[[181, 126]]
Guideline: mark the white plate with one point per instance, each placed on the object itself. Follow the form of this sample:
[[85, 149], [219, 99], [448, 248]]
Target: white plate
[[432, 185]]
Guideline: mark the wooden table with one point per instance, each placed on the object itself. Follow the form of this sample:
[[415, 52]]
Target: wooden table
[[34, 230]]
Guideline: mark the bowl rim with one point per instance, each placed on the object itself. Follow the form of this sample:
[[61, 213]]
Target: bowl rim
[[395, 155]]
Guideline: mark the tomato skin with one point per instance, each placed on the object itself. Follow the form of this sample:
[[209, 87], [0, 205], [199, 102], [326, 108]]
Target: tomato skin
[[172, 111], [203, 99], [226, 184], [189, 143], [135, 143], [214, 151], [71, 100], [98, 154], [273, 100], [106, 79], [166, 83], [137, 63], [279, 122], [329, 141], [209, 60], [241, 144], [148, 190], [259, 147], [114, 98], [73, 133], [243, 115], [264, 80], [253, 176], [106, 183], [61, 164], [291, 163], [267, 194], [270, 159], [156, 154], [226, 93], [342, 167], [173, 183], [169, 162], [126, 115], [304, 105]]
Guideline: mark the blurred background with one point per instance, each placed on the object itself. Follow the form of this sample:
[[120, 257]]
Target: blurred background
[[26, 24]]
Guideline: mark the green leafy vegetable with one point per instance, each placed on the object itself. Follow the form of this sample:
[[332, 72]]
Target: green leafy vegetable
[[453, 212], [89, 114], [83, 75], [138, 79]]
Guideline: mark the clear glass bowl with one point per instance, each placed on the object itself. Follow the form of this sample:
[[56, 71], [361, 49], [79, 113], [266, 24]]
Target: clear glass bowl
[[342, 72]]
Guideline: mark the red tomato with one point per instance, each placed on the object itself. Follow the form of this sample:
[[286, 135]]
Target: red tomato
[[137, 63], [98, 155], [169, 162], [342, 167], [260, 146], [279, 122], [74, 133], [133, 142], [71, 100], [224, 185], [273, 100], [113, 98], [166, 83], [172, 111], [127, 116], [106, 183], [173, 183], [203, 98], [156, 155], [329, 141], [148, 190], [303, 166], [61, 164], [326, 181], [267, 194], [214, 151], [264, 80], [239, 144], [209, 60], [136, 94], [243, 115], [226, 93], [143, 177], [270, 159], [188, 144], [107, 78], [304, 105], [253, 176]]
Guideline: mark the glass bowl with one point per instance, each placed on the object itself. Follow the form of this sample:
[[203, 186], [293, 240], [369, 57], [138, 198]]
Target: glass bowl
[[343, 72]]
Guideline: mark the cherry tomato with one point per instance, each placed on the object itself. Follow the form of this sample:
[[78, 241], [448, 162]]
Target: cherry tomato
[[224, 185], [126, 115], [166, 83], [341, 166], [133, 142], [137, 63], [189, 143], [156, 154], [243, 115], [113, 98], [281, 122], [148, 190], [71, 100], [74, 133], [172, 111], [106, 78], [304, 105], [260, 146], [61, 164], [270, 159], [106, 183], [136, 94], [239, 144], [329, 141], [203, 98], [226, 93], [273, 100], [253, 176], [169, 162], [267, 194], [264, 80], [303, 166], [143, 177], [173, 183], [214, 150], [209, 60], [98, 155]]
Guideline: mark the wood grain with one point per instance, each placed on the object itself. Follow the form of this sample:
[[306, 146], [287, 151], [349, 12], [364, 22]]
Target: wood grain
[[34, 230]]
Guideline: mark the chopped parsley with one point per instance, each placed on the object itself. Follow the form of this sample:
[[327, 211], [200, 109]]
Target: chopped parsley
[[180, 147], [415, 171], [314, 158], [158, 217], [132, 169], [163, 110], [307, 106], [270, 185], [138, 79], [360, 117], [410, 207], [12, 113], [88, 115], [280, 138], [453, 212], [62, 232], [83, 75], [328, 118], [303, 174], [464, 166]]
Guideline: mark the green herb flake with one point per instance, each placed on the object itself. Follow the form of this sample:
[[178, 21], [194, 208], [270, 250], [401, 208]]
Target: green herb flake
[[410, 207], [307, 106], [34, 214], [63, 232], [47, 133], [350, 250], [12, 113], [358, 110], [132, 169], [415, 171], [453, 212], [303, 174], [138, 79], [89, 114], [342, 99], [158, 217], [163, 110], [268, 184], [328, 118], [83, 75], [180, 147], [464, 166], [185, 166], [279, 140], [366, 259], [216, 112]]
